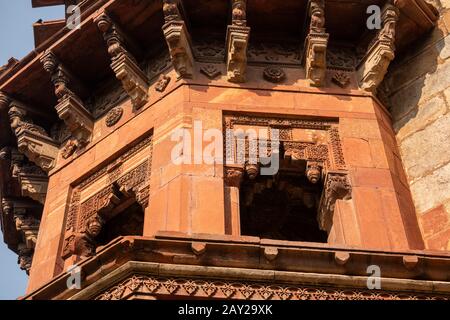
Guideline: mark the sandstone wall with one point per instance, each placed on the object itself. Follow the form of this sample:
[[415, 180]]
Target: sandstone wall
[[419, 91]]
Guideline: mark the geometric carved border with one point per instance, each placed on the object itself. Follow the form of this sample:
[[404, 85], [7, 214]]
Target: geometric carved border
[[136, 180], [222, 289], [334, 156]]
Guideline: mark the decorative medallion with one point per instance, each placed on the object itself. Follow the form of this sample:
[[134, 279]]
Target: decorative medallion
[[113, 116], [210, 71], [274, 74], [162, 83], [342, 79]]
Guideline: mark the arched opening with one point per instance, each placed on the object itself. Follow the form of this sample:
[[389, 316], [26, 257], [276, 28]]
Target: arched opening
[[282, 207]]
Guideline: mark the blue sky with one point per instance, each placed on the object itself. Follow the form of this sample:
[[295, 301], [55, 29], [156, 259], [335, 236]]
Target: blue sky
[[16, 39]]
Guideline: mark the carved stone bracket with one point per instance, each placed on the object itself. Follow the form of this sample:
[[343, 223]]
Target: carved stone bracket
[[32, 140], [234, 176], [381, 52], [316, 45], [336, 187], [238, 35], [33, 181], [70, 107], [124, 64], [23, 213], [178, 40]]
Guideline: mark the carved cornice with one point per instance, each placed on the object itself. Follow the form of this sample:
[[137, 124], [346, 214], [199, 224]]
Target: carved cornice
[[123, 63], [32, 140], [178, 40], [70, 107], [381, 52], [316, 44]]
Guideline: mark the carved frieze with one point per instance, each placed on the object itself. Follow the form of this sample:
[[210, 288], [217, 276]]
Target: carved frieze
[[274, 53], [70, 107], [32, 140], [124, 64], [316, 44], [107, 188], [208, 50], [189, 288], [178, 40], [380, 53]]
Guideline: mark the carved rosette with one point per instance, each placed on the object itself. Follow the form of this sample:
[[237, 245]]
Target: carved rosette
[[316, 45], [113, 116], [336, 187], [274, 74], [381, 52], [124, 64]]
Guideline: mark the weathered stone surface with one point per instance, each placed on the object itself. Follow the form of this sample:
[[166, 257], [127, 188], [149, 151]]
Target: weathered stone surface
[[431, 190], [425, 150], [424, 116]]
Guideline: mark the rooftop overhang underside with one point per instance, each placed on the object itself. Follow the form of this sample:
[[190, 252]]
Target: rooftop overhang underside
[[84, 52], [251, 259]]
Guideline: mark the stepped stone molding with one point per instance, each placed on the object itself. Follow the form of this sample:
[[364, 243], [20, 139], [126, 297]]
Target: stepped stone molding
[[124, 64], [381, 52], [70, 107]]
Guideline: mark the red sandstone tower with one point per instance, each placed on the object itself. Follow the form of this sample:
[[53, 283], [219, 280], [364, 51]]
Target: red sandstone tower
[[89, 178]]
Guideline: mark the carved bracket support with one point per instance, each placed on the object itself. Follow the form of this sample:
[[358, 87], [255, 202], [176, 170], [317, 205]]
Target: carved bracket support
[[123, 63], [237, 42], [336, 187], [316, 45], [32, 140], [178, 40], [33, 181], [70, 107], [381, 52], [234, 176]]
